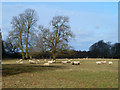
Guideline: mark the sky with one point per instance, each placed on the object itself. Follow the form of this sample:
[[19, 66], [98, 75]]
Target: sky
[[89, 21]]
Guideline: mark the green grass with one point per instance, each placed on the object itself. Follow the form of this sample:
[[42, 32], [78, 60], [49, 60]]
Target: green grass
[[58, 75]]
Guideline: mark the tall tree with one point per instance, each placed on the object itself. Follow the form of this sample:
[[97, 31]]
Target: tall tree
[[57, 39], [16, 35], [23, 26], [30, 23]]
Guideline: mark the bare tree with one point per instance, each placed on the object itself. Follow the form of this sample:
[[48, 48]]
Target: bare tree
[[30, 22], [16, 36], [57, 39], [23, 29]]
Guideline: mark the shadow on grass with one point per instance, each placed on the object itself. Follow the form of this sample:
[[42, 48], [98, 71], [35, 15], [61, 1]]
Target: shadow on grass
[[13, 69]]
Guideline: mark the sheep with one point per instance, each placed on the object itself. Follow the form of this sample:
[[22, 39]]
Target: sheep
[[69, 60], [38, 60], [50, 61], [110, 62], [20, 59], [103, 62], [17, 61], [46, 64], [76, 63], [53, 61], [64, 62], [21, 62], [45, 60], [32, 62], [98, 62]]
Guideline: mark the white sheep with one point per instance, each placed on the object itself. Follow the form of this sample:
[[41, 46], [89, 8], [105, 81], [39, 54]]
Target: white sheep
[[46, 64], [64, 62], [38, 60], [76, 63], [45, 60], [53, 61], [110, 62], [103, 62], [32, 62], [17, 61], [50, 61], [69, 60], [21, 62], [98, 62], [20, 59]]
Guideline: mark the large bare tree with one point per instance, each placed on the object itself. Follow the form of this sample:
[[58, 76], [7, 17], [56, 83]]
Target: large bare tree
[[23, 29], [30, 23], [57, 39], [16, 35]]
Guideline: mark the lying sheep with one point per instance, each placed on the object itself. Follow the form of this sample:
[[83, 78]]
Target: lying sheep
[[38, 60], [21, 62], [64, 62], [53, 61], [32, 62], [103, 62], [50, 61], [69, 60], [76, 63], [20, 59], [46, 64], [98, 62], [110, 62]]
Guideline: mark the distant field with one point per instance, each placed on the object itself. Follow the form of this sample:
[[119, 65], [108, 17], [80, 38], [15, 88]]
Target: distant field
[[58, 75]]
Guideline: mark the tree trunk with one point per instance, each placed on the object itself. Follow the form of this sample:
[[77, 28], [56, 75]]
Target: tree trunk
[[23, 57], [54, 56], [27, 44]]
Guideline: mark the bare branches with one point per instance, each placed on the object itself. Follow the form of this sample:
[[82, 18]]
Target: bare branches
[[58, 37]]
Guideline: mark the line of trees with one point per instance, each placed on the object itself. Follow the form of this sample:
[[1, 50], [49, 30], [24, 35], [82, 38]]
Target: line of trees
[[99, 49], [27, 39]]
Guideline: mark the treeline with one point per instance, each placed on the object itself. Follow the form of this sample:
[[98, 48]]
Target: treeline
[[99, 49]]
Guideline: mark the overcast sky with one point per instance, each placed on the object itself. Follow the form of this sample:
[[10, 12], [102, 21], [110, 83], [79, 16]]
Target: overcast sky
[[89, 21]]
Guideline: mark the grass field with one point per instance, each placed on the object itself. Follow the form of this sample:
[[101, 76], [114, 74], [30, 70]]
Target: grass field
[[58, 75]]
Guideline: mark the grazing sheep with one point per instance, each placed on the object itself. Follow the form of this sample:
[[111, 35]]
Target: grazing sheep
[[110, 62], [76, 63], [98, 62], [64, 62], [32, 62], [46, 64]]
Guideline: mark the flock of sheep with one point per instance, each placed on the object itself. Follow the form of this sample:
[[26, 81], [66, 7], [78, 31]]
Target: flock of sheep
[[103, 62], [37, 61]]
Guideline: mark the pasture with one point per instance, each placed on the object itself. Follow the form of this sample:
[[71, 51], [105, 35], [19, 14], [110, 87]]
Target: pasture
[[58, 75]]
